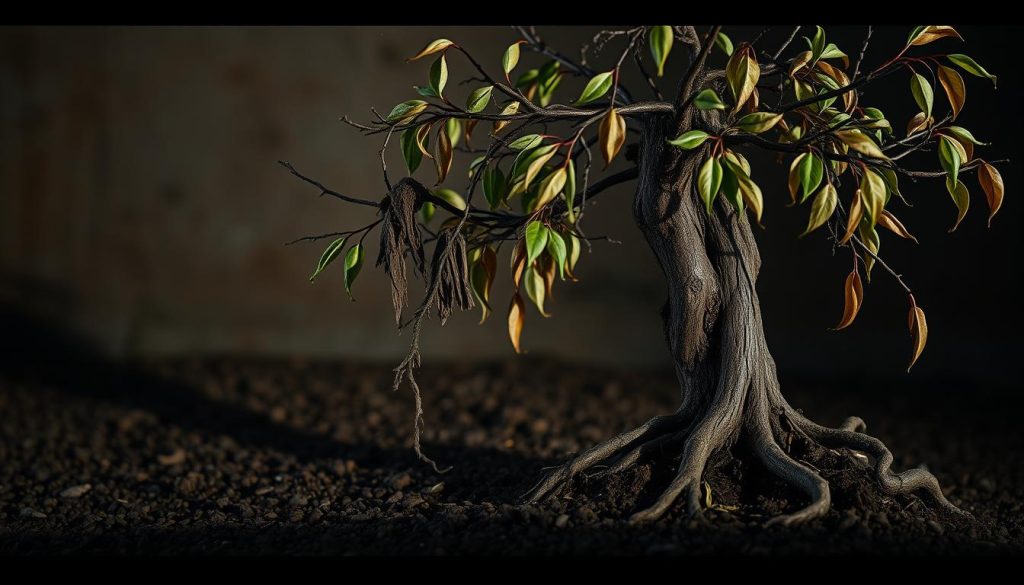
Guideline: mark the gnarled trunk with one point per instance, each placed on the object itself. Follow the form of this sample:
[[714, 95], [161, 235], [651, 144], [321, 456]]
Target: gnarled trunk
[[713, 327]]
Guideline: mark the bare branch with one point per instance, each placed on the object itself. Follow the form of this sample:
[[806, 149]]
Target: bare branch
[[325, 190]]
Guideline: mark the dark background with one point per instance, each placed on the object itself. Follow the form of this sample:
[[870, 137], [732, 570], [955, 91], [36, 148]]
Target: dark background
[[141, 208]]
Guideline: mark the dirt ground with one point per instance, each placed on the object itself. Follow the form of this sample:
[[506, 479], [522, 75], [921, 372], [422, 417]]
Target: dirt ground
[[289, 457]]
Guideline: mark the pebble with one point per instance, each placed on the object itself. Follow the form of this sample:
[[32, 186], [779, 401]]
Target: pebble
[[175, 458], [76, 491], [401, 481], [435, 489], [30, 513], [264, 490], [562, 521]]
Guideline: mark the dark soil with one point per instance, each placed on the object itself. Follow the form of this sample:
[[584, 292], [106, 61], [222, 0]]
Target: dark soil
[[234, 456]]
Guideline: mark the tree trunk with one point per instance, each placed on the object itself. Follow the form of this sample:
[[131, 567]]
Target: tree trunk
[[713, 328]]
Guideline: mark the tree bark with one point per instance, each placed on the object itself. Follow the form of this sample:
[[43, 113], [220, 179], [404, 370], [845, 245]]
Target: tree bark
[[712, 323]]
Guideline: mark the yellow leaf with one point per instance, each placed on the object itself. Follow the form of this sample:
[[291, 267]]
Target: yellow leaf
[[801, 60], [955, 89], [932, 33], [518, 262], [853, 217], [794, 177], [962, 199], [421, 138], [510, 109], [535, 289], [550, 187], [536, 166], [992, 184], [861, 142], [918, 332], [822, 208], [872, 188], [853, 297], [919, 122], [742, 73], [889, 222], [431, 48], [611, 135], [515, 320]]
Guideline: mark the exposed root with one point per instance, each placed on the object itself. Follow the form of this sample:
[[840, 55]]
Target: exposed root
[[656, 427], [698, 447]]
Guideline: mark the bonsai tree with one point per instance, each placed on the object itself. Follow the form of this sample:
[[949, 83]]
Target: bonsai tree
[[529, 144]]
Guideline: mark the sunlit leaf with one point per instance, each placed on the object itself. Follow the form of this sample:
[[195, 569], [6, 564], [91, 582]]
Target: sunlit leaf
[[758, 122], [731, 188], [963, 134], [454, 129], [550, 187], [451, 197], [508, 110], [611, 135], [971, 66], [853, 298], [536, 288], [330, 253], [557, 249], [800, 61], [831, 51], [889, 222], [992, 184], [918, 123], [724, 43], [918, 333], [596, 88], [822, 208], [707, 99], [811, 173], [860, 142], [923, 35], [794, 177], [515, 320], [742, 74], [537, 164], [479, 99], [872, 189], [439, 75], [570, 190], [869, 237], [923, 94], [427, 212], [406, 110], [353, 263], [575, 250], [689, 140], [511, 58], [660, 41], [431, 48], [853, 217], [536, 237], [817, 42], [955, 90], [709, 180], [962, 199], [949, 157], [748, 188], [526, 142]]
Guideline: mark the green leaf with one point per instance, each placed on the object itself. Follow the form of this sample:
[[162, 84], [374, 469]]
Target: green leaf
[[724, 43], [818, 42], [451, 197], [431, 48], [758, 122], [425, 91], [548, 79], [526, 158], [410, 151], [479, 99], [353, 263], [527, 78], [476, 163], [439, 75], [575, 250], [427, 211], [689, 140], [660, 40], [964, 134], [731, 188], [570, 190], [962, 199], [330, 253], [511, 58], [708, 100], [971, 66], [556, 248], [596, 88], [892, 185], [494, 187], [811, 171], [536, 240], [949, 158], [831, 51], [861, 142], [709, 181], [526, 142], [406, 110], [535, 288], [453, 127], [923, 94], [822, 208], [872, 188]]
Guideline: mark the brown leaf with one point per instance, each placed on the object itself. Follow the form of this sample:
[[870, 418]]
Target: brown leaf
[[549, 270], [853, 296], [854, 217], [611, 135], [518, 262], [919, 122], [443, 157], [889, 222], [933, 33], [515, 320], [794, 178], [918, 332], [992, 184], [955, 90], [421, 136]]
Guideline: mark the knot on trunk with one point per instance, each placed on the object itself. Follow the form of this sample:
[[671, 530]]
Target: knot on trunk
[[399, 235], [450, 271]]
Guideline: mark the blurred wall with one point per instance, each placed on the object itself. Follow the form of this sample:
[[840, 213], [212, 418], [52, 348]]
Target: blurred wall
[[140, 203]]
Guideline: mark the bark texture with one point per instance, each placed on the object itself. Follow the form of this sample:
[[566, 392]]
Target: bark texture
[[712, 319]]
